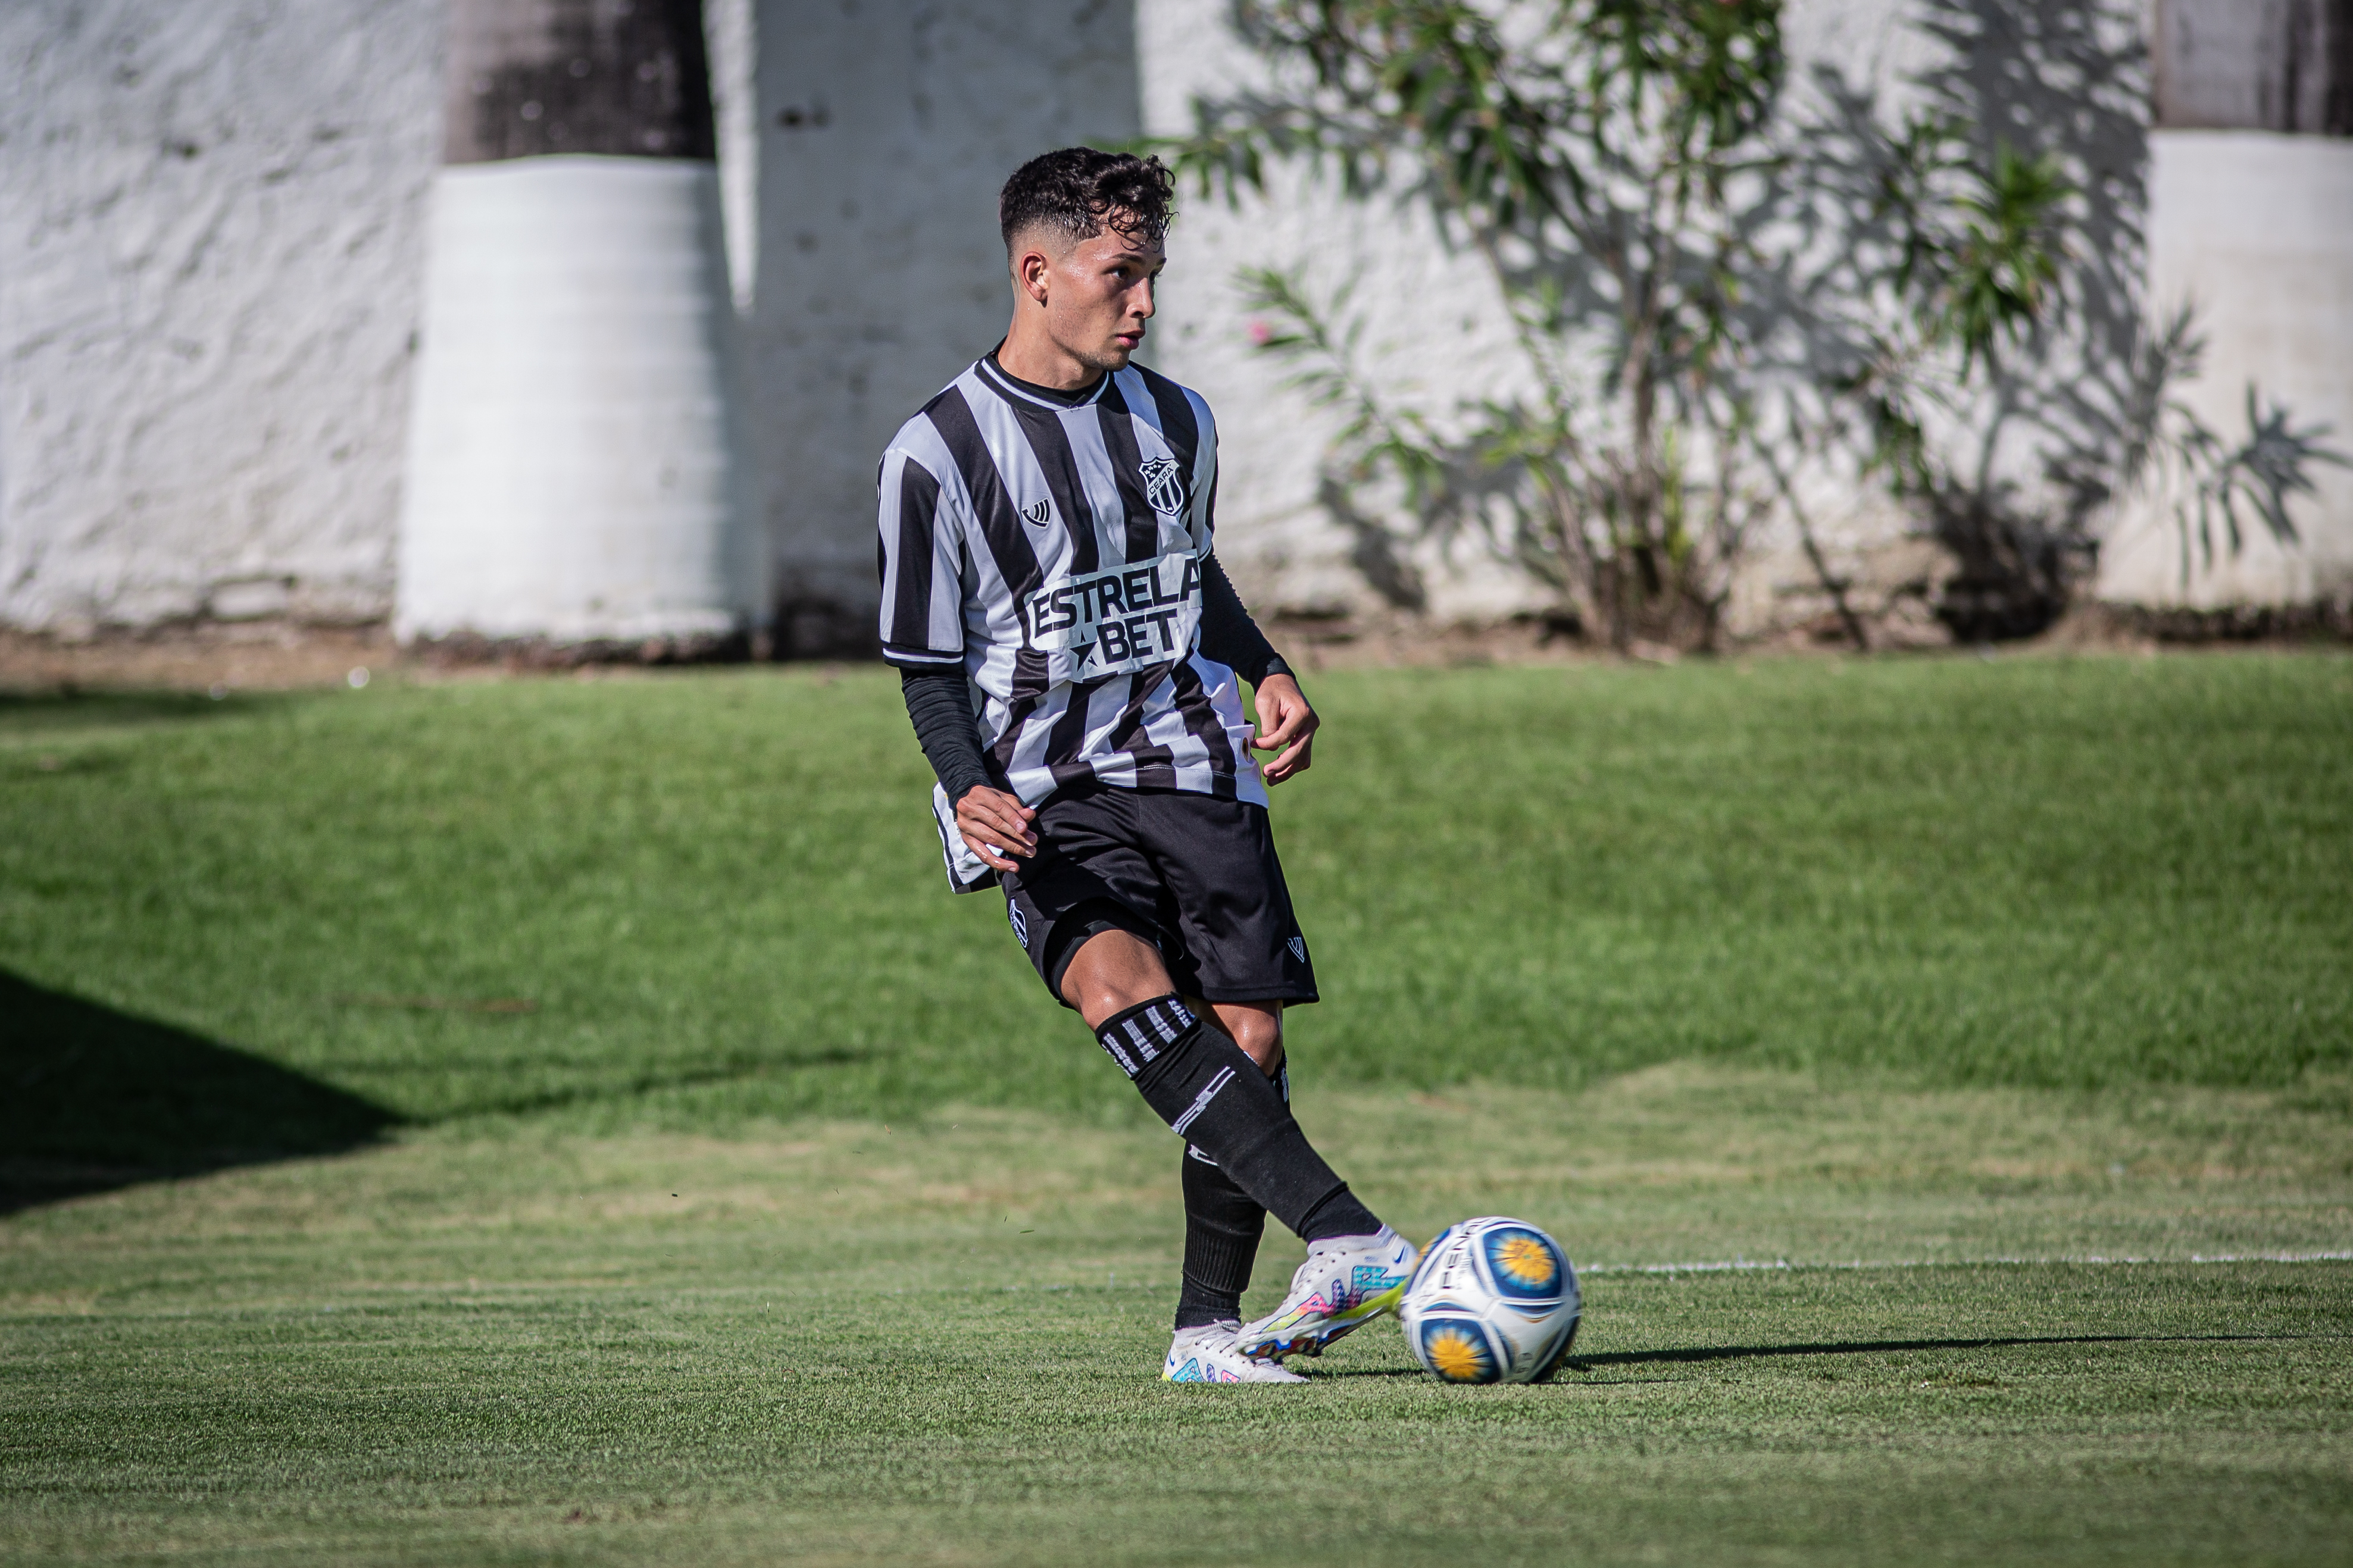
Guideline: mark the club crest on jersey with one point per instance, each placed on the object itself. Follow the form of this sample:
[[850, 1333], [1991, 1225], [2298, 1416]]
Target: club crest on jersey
[[1164, 484]]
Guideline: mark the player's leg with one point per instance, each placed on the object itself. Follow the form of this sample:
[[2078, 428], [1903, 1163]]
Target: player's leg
[[1238, 946], [1117, 981], [1089, 882], [1094, 909], [1223, 1224], [1204, 1086], [1255, 1027]]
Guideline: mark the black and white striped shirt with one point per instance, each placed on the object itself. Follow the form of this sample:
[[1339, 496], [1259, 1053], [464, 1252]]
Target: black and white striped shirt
[[1052, 552]]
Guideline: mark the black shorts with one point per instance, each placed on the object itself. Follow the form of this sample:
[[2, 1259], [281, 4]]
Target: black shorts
[[1195, 875]]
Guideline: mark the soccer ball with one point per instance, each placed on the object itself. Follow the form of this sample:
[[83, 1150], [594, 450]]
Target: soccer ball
[[1494, 1300]]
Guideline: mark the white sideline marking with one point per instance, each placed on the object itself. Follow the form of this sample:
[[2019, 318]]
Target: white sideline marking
[[1745, 1265]]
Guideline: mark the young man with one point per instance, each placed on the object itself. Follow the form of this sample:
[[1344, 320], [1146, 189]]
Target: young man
[[1070, 653]]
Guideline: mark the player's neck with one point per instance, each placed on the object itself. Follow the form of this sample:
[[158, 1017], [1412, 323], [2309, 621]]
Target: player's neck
[[1032, 356]]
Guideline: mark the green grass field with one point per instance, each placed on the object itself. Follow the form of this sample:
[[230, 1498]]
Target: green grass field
[[569, 1121]]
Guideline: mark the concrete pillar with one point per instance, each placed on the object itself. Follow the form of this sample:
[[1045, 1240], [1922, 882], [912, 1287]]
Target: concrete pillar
[[572, 471], [2251, 221]]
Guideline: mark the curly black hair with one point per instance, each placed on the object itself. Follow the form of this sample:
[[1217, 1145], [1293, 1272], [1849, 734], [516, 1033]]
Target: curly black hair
[[1080, 192]]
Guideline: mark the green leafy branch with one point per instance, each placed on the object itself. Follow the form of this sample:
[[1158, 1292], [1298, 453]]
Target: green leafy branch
[[1586, 158]]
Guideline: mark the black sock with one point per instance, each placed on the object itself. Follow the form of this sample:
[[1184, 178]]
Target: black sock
[[1338, 1214], [1211, 1093], [1222, 1227]]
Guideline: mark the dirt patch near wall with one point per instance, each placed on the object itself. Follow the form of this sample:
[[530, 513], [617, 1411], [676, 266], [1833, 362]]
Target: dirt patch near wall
[[278, 656], [1357, 642], [273, 657], [1353, 643], [232, 658]]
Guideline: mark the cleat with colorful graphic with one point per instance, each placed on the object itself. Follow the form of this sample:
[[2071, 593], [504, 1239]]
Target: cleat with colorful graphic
[[1212, 1354], [1345, 1283]]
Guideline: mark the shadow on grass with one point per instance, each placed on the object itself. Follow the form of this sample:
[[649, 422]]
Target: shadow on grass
[[1847, 1347], [92, 1098], [38, 715]]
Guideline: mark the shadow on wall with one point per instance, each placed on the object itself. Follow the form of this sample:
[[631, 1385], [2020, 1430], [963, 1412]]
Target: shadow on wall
[[2070, 81], [2038, 452], [2021, 129], [92, 1098]]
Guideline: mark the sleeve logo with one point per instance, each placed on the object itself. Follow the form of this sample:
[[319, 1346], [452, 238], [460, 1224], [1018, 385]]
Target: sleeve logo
[[1164, 484]]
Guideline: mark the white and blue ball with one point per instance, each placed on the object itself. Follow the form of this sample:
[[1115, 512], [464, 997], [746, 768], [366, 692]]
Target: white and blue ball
[[1494, 1300]]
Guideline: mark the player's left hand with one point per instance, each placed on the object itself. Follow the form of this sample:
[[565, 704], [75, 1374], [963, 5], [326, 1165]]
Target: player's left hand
[[1286, 726]]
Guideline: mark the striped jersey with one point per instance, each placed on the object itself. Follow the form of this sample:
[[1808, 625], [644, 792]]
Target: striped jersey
[[1051, 550]]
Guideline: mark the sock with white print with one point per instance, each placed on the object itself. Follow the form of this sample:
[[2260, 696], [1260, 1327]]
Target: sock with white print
[[1208, 1091]]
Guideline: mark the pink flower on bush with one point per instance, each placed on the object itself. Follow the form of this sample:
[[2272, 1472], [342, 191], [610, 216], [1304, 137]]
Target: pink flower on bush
[[1261, 334]]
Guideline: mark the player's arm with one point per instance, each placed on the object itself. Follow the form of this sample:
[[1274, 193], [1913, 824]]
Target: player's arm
[[922, 637], [940, 704], [1286, 724]]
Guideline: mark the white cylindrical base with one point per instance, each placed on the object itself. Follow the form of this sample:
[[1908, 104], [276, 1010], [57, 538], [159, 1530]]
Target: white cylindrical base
[[2255, 230], [570, 472]]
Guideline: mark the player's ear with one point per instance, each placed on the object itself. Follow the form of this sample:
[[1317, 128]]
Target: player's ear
[[1031, 267]]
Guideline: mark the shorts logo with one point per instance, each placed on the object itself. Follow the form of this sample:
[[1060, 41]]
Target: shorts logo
[[1164, 484], [1298, 945], [1020, 926]]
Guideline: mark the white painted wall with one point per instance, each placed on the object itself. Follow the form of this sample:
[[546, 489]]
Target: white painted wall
[[211, 263], [1437, 333], [2255, 229], [1437, 337], [571, 471], [880, 271], [210, 226]]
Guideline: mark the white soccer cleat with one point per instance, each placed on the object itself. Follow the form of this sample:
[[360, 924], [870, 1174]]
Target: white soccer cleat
[[1345, 1283], [1212, 1353]]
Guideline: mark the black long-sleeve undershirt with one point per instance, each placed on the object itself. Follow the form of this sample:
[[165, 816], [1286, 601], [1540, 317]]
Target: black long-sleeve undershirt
[[940, 702], [1227, 633]]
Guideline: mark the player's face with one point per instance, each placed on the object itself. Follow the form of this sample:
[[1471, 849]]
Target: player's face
[[1097, 296]]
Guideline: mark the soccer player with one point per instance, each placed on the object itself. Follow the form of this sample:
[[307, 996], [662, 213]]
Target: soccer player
[[1071, 655]]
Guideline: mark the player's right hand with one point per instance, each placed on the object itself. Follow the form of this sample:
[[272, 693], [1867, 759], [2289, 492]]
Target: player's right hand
[[996, 825]]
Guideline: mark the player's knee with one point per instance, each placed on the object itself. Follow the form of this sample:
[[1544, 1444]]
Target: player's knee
[[1257, 1028], [1100, 1002], [1112, 972]]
